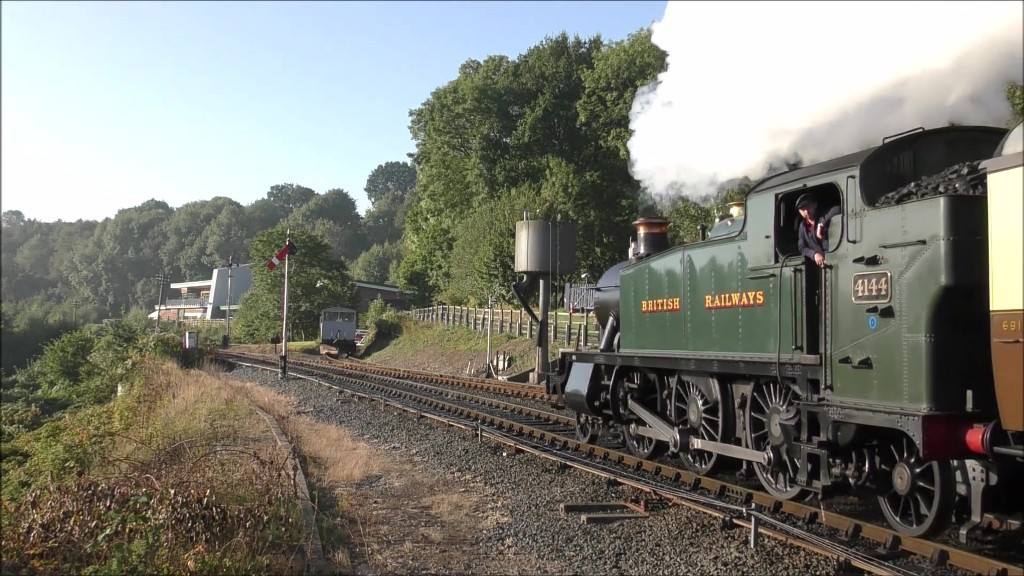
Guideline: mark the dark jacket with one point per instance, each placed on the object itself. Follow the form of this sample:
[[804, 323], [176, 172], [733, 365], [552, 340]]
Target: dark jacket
[[809, 243]]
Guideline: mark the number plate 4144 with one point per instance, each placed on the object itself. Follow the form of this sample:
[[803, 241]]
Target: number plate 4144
[[872, 287]]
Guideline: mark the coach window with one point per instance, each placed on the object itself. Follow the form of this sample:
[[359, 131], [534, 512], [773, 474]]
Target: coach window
[[788, 220]]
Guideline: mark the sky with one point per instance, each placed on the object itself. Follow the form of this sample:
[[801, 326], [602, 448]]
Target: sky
[[106, 105]]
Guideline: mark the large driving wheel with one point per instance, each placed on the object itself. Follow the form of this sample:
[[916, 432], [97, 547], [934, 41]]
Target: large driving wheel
[[699, 405], [772, 421], [920, 495], [641, 388]]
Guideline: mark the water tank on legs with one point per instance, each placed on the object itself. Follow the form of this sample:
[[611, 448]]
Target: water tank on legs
[[545, 248]]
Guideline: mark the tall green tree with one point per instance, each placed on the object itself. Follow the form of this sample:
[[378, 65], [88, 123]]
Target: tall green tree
[[316, 280], [545, 132], [389, 188], [378, 264], [1015, 96], [334, 217], [186, 252], [289, 197]]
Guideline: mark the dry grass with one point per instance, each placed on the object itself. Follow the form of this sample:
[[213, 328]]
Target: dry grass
[[447, 506], [335, 460], [333, 454], [180, 464]]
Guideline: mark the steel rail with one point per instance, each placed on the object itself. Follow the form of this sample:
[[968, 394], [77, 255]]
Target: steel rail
[[707, 505], [937, 553]]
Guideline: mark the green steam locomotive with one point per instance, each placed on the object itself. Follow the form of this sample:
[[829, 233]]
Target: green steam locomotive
[[853, 350]]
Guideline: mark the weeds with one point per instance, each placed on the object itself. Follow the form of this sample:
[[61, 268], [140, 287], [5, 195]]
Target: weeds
[[179, 475]]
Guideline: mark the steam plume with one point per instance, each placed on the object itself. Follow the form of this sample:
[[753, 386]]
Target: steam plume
[[750, 84]]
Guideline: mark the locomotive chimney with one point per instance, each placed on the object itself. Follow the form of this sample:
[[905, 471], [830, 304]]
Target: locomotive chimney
[[651, 236]]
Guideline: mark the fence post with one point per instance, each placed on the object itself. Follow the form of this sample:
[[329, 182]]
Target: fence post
[[529, 329]]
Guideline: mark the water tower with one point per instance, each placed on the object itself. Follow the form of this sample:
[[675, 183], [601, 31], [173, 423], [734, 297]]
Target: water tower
[[544, 250]]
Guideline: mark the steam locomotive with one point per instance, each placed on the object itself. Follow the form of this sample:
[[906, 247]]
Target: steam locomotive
[[894, 367]]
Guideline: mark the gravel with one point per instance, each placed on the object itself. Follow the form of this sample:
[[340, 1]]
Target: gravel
[[529, 491]]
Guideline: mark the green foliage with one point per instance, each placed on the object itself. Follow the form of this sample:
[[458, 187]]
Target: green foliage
[[316, 281], [379, 264], [1015, 96], [289, 197], [546, 132], [390, 179], [334, 218], [152, 483], [381, 318], [27, 325], [687, 215], [391, 189], [80, 368]]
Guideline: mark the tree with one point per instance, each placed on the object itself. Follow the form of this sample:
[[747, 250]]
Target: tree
[[334, 217], [289, 197], [687, 215], [378, 264], [389, 188], [546, 132], [12, 218], [390, 179], [263, 214], [1015, 96], [315, 281], [186, 252]]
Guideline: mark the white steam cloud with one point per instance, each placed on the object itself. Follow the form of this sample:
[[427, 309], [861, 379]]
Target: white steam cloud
[[750, 84]]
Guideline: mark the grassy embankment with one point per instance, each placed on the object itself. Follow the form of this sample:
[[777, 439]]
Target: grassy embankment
[[451, 349], [179, 475], [182, 475]]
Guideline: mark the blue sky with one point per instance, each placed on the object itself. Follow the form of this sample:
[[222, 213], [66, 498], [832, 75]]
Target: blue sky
[[106, 105]]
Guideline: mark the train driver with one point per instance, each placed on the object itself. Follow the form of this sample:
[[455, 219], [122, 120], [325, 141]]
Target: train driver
[[813, 241]]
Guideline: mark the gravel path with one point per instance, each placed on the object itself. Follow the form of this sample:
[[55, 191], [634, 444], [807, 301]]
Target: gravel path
[[527, 534]]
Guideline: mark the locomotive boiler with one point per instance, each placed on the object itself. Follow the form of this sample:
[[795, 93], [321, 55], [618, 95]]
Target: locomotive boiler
[[893, 367]]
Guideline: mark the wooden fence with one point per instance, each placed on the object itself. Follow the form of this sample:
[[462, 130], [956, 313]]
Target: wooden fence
[[571, 329]]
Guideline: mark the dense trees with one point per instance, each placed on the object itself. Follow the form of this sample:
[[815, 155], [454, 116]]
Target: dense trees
[[316, 280], [544, 132]]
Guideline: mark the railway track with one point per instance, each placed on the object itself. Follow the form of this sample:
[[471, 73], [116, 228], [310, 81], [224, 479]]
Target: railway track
[[458, 402]]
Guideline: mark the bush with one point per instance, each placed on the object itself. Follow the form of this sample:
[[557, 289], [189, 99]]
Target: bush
[[382, 318]]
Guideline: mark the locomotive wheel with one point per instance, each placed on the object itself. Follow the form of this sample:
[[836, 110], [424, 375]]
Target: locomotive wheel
[[699, 405], [586, 431], [642, 447], [920, 495], [771, 422], [641, 388]]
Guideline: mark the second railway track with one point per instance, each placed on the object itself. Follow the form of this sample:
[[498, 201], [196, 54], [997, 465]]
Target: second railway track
[[514, 414]]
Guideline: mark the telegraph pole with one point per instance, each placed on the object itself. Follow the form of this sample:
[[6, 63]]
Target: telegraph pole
[[162, 279], [231, 266], [284, 316], [490, 321]]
